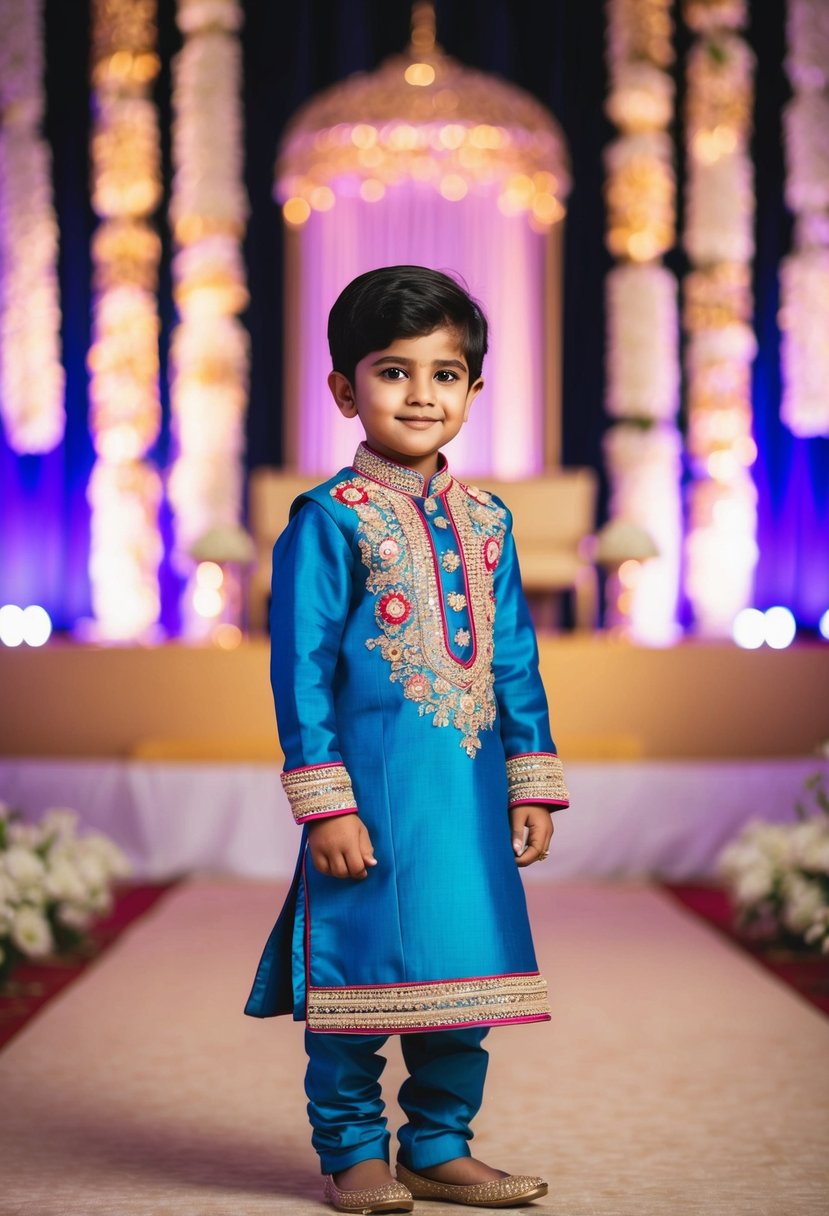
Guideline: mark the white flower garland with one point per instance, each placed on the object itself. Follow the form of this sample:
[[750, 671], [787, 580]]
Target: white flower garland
[[210, 349], [721, 550], [643, 328], [804, 314], [125, 490], [804, 318], [642, 452], [31, 374]]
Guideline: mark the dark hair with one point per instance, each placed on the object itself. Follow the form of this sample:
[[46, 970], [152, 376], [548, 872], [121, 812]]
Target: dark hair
[[402, 302]]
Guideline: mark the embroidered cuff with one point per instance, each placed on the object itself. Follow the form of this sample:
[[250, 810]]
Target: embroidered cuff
[[536, 777], [319, 790]]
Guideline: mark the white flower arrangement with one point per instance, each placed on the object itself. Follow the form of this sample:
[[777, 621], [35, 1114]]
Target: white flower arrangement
[[778, 874], [53, 883]]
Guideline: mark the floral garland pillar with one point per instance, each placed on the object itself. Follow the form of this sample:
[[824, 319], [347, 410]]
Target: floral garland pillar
[[31, 374], [643, 448], [209, 387], [804, 315], [719, 240], [124, 489]]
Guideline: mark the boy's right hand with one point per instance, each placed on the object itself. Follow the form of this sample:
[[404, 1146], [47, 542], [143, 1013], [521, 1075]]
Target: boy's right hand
[[341, 846]]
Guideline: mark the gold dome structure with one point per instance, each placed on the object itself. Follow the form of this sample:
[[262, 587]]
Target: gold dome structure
[[423, 117]]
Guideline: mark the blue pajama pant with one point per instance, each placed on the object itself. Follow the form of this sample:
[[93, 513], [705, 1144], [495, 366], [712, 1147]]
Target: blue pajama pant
[[440, 1097]]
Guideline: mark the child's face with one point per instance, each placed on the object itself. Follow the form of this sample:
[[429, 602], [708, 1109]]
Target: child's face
[[411, 398]]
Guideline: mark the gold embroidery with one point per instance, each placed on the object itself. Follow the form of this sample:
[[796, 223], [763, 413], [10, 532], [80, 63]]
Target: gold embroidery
[[430, 506], [456, 601], [450, 561], [395, 546], [396, 1007], [398, 476], [536, 777], [462, 637], [441, 522], [324, 789]]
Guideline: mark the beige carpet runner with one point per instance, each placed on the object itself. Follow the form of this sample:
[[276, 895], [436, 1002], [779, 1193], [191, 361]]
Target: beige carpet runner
[[676, 1078]]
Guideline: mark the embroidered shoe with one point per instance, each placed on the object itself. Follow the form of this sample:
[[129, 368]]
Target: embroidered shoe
[[393, 1197], [510, 1191]]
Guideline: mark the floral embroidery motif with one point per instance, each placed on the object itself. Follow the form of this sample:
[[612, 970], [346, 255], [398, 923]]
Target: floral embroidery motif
[[350, 494], [394, 608], [481, 496], [430, 506], [389, 549], [395, 545], [492, 552], [441, 522], [416, 687]]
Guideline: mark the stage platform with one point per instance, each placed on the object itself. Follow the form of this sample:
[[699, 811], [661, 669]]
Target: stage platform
[[608, 700], [172, 751]]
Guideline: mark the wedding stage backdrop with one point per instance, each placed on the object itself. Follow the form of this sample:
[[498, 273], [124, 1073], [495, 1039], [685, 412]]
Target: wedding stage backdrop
[[288, 55]]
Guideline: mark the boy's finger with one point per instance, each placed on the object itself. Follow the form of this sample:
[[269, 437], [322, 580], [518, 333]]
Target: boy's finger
[[530, 854], [355, 865], [366, 847]]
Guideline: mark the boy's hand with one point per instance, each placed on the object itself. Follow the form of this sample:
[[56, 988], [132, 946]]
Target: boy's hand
[[539, 823], [341, 846]]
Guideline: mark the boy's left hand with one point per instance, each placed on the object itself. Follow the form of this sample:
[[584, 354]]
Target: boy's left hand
[[539, 823]]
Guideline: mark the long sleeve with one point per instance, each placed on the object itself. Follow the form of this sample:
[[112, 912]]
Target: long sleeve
[[311, 589], [534, 770]]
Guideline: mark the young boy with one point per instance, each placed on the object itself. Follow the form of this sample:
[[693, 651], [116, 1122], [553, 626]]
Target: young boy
[[418, 757]]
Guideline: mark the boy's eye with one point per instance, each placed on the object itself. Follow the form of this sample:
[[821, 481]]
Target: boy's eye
[[445, 376], [392, 373]]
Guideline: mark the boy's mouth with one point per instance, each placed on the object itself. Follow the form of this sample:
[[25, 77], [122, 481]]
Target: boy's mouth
[[418, 421]]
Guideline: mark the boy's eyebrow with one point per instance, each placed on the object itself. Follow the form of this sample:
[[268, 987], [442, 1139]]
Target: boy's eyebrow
[[435, 362]]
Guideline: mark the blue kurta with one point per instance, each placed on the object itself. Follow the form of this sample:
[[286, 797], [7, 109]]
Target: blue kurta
[[405, 675]]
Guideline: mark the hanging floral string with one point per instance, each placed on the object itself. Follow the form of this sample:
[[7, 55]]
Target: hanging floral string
[[721, 545], [643, 448], [210, 355], [804, 315], [125, 489], [31, 374]]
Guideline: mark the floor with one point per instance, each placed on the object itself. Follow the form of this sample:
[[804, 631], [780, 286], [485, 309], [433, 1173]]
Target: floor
[[677, 1077]]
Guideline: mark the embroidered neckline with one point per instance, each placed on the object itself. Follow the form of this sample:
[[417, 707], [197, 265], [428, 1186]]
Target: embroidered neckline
[[400, 477]]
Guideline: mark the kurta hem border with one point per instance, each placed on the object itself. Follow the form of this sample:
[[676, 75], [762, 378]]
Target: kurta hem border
[[431, 1005]]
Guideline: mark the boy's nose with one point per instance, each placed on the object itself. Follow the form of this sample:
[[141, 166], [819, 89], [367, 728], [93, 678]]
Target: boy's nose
[[421, 391]]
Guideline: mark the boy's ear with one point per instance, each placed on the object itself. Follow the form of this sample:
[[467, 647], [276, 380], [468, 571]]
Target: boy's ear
[[474, 389], [343, 394]]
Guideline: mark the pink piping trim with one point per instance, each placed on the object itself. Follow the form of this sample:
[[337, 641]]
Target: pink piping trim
[[518, 755], [539, 802], [464, 979], [307, 931], [306, 768], [349, 810], [465, 663], [534, 1017]]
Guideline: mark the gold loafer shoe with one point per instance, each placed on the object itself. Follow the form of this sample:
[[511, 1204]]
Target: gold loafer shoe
[[507, 1192], [393, 1197]]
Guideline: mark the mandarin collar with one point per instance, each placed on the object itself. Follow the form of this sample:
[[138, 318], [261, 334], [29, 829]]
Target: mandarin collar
[[399, 476]]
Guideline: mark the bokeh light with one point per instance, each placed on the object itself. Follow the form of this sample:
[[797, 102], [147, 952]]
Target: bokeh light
[[780, 627], [749, 628]]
